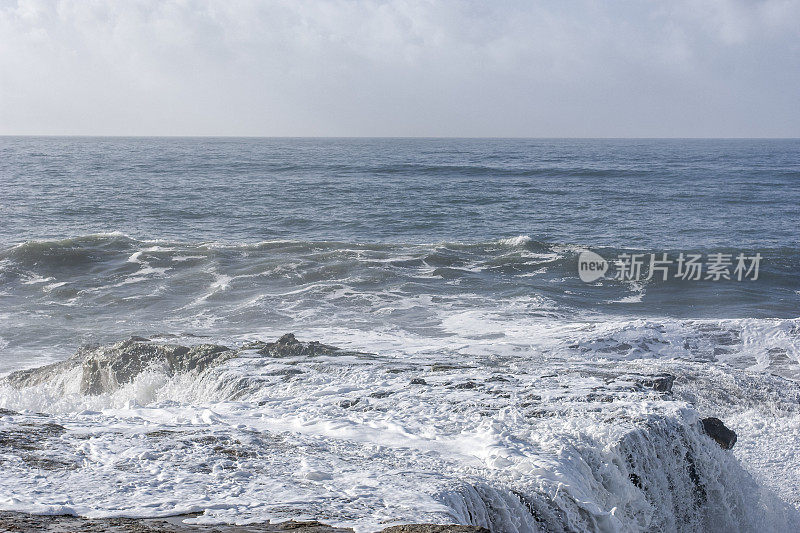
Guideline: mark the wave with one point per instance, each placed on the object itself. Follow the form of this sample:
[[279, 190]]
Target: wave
[[69, 270], [506, 295], [97, 248]]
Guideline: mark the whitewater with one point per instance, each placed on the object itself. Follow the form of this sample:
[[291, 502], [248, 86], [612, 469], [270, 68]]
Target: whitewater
[[512, 442]]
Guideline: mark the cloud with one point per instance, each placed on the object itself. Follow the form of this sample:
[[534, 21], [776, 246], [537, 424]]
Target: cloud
[[404, 67]]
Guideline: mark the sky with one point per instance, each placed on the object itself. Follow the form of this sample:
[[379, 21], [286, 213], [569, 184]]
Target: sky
[[460, 68]]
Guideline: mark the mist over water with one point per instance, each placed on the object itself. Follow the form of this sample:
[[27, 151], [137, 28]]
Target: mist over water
[[458, 255]]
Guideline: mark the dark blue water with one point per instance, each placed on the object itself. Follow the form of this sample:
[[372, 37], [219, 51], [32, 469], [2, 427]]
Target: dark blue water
[[104, 237]]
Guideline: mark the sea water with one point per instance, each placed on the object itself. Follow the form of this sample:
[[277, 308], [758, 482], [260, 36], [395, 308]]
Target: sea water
[[455, 264]]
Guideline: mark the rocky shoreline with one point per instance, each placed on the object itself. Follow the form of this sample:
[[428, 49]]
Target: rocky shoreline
[[106, 368], [642, 428], [28, 523]]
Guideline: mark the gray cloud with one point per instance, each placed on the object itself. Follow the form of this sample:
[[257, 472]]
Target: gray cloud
[[405, 67]]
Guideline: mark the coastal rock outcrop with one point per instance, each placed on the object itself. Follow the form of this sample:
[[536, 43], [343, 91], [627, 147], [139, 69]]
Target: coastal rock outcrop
[[434, 528], [715, 429], [659, 383], [289, 346], [106, 368], [27, 523]]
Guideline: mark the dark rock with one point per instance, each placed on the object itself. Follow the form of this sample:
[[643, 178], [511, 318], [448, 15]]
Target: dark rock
[[286, 372], [466, 385], [715, 429], [659, 383], [30, 441], [434, 528], [347, 404], [418, 381], [289, 346], [444, 368], [105, 368], [27, 523]]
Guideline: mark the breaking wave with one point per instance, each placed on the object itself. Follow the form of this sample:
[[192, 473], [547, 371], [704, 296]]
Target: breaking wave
[[509, 444]]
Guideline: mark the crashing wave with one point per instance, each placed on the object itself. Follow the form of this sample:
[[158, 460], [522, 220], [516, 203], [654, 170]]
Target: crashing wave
[[585, 448]]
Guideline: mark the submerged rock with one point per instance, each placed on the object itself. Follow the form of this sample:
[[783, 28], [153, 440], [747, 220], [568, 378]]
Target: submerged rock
[[715, 429]]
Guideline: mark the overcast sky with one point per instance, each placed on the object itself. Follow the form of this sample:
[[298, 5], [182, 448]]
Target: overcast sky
[[694, 68]]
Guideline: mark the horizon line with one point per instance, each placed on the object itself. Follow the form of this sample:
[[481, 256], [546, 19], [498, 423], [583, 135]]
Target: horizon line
[[419, 137]]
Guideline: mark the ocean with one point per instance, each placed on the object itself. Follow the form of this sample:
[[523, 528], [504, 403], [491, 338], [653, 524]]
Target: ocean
[[500, 388]]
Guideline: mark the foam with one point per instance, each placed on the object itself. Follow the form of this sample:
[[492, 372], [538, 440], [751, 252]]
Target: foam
[[519, 240], [248, 441]]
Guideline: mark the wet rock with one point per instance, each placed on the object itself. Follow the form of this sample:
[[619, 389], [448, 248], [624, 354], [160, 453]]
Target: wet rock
[[28, 437], [434, 528], [254, 345], [26, 523], [30, 443], [659, 383], [105, 369], [289, 346], [36, 376], [438, 367], [286, 372], [715, 429]]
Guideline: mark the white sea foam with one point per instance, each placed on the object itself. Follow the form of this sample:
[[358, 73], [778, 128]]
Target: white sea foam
[[35, 279], [488, 438], [519, 240]]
